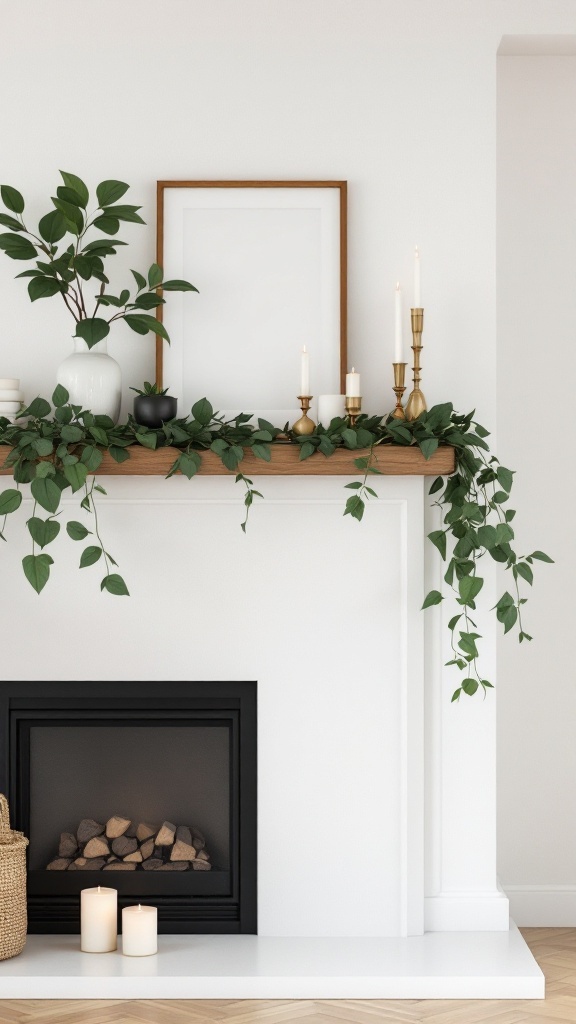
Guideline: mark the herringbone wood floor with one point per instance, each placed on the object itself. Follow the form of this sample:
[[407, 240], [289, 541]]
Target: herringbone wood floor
[[554, 949]]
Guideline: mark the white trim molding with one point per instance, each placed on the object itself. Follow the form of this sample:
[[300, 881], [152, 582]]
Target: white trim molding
[[543, 906], [466, 911]]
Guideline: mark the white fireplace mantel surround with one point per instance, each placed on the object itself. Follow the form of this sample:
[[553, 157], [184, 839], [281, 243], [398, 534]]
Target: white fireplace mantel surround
[[376, 795]]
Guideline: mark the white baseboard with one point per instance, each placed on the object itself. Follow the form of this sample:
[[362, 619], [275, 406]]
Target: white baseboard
[[467, 912], [543, 906]]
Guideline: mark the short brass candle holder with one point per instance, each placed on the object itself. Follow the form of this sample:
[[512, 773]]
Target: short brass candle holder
[[416, 403], [353, 408], [399, 389], [304, 425]]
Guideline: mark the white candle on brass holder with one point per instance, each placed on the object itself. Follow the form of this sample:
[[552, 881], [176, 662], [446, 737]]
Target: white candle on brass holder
[[353, 384], [98, 920], [139, 931], [305, 372]]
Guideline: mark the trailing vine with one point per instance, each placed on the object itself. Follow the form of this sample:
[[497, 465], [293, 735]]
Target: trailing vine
[[54, 453]]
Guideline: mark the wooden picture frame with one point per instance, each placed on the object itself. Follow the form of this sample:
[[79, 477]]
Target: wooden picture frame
[[290, 237]]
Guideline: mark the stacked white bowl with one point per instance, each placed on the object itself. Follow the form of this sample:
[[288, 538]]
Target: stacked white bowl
[[11, 398]]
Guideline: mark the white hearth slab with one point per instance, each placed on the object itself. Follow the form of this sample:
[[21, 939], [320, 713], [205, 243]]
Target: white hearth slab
[[437, 965]]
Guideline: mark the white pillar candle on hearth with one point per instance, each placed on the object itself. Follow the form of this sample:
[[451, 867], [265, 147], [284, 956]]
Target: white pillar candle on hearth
[[305, 372], [353, 384], [98, 920], [331, 407], [139, 931]]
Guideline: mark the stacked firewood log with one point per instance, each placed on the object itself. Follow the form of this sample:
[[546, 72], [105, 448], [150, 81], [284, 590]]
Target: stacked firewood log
[[124, 845]]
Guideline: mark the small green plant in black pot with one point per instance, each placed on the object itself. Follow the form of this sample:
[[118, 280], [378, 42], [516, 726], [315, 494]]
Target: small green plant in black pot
[[153, 407]]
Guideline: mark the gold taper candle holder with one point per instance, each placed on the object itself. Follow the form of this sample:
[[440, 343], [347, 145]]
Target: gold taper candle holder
[[353, 408], [304, 425], [399, 389], [416, 403]]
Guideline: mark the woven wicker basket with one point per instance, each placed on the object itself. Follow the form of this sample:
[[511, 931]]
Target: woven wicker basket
[[13, 919]]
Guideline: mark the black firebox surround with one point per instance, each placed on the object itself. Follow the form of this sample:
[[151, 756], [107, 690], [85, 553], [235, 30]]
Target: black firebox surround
[[222, 902]]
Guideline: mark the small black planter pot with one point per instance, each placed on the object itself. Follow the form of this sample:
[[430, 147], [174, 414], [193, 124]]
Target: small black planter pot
[[153, 410]]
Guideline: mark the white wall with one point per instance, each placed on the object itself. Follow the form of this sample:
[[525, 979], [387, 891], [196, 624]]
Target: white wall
[[398, 98], [536, 368]]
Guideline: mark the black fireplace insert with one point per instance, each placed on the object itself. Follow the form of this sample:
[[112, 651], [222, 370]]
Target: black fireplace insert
[[139, 752]]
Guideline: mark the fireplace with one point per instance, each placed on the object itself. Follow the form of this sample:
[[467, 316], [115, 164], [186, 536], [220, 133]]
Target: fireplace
[[174, 759]]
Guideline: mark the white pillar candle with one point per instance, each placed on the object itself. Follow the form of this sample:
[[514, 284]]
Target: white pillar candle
[[398, 354], [98, 920], [417, 297], [353, 384], [305, 372], [330, 407], [9, 383], [139, 931]]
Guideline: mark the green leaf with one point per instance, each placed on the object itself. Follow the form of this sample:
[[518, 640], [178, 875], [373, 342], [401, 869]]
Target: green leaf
[[76, 475], [467, 643], [437, 485], [219, 445], [43, 288], [72, 214], [114, 584], [92, 330], [306, 450], [349, 438], [262, 451], [17, 247], [71, 433], [99, 435], [110, 191], [46, 493], [149, 300], [504, 478], [189, 463], [10, 500], [142, 323], [178, 286], [91, 458], [470, 686], [509, 618], [434, 597], [231, 457], [37, 570], [52, 227], [504, 533], [44, 469], [542, 557], [202, 411], [148, 440], [109, 225], [124, 213], [456, 695], [326, 446], [90, 555], [118, 454], [438, 538], [76, 531], [43, 445], [83, 267], [10, 222], [454, 621], [43, 531], [469, 587], [154, 276], [355, 507], [12, 199], [525, 572], [487, 536], [500, 497], [428, 446], [140, 279], [75, 183], [69, 195], [59, 396]]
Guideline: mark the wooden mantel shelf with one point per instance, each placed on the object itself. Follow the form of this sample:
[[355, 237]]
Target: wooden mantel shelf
[[392, 460]]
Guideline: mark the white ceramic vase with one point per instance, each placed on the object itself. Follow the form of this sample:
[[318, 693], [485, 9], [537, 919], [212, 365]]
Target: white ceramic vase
[[92, 378]]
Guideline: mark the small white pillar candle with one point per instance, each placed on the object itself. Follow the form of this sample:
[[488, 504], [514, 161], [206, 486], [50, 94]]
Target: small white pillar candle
[[330, 407], [98, 920], [417, 298], [353, 384], [305, 372], [398, 355], [139, 931]]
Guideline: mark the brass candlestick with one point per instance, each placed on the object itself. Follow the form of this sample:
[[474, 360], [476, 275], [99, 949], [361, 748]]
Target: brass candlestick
[[304, 425], [416, 403], [353, 408], [399, 389]]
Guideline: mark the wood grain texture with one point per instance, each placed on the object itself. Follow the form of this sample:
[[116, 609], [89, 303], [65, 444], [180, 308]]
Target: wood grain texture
[[391, 460], [554, 949]]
